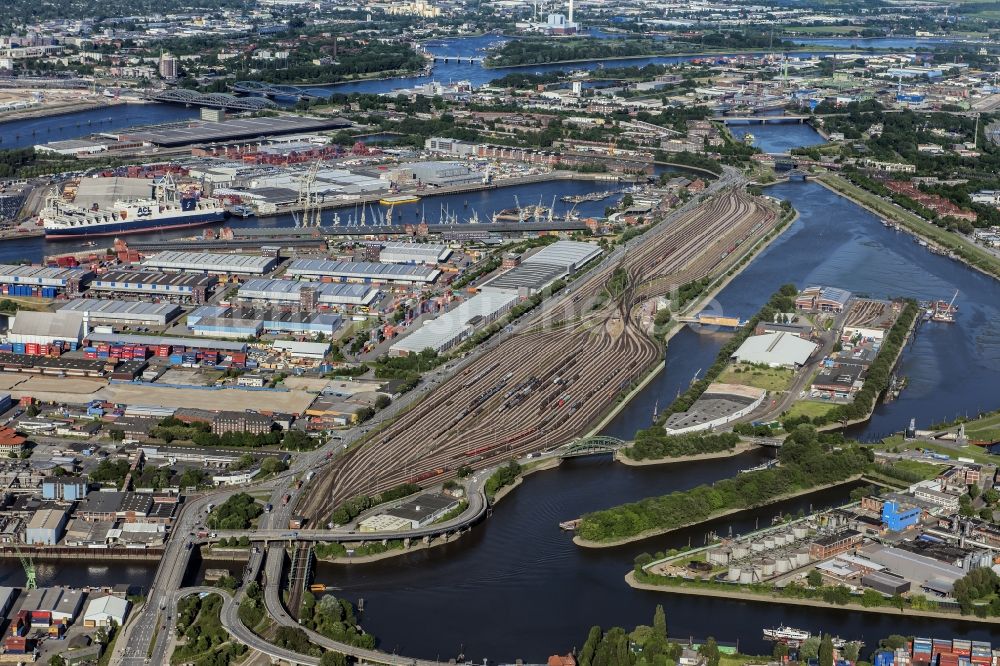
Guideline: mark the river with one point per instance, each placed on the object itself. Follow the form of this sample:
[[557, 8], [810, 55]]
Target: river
[[516, 587]]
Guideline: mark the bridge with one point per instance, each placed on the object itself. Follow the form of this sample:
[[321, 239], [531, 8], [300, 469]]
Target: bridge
[[702, 319], [270, 90], [459, 59], [591, 446], [214, 100], [762, 120]]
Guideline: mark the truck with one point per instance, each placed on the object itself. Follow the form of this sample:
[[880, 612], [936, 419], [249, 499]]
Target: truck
[[286, 498]]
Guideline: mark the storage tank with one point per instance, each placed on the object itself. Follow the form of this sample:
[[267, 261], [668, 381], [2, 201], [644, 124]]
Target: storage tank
[[740, 551], [734, 573], [768, 543], [784, 539], [757, 547], [800, 531], [802, 557], [718, 556], [782, 565], [767, 567], [746, 576]]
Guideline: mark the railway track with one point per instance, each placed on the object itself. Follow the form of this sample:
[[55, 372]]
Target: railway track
[[542, 387]]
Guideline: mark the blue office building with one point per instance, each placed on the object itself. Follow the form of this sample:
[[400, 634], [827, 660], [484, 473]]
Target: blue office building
[[897, 518]]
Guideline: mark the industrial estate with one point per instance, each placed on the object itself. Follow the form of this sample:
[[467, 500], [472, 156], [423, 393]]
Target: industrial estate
[[417, 332]]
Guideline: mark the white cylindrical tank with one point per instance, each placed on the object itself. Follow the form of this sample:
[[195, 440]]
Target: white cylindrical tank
[[800, 531], [746, 576], [768, 543], [740, 551], [802, 557], [734, 573], [757, 547], [767, 567], [782, 565], [718, 556]]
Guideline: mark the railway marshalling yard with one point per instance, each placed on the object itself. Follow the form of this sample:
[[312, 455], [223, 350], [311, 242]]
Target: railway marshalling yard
[[564, 368]]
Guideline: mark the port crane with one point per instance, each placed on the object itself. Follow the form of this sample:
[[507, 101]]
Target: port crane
[[31, 579]]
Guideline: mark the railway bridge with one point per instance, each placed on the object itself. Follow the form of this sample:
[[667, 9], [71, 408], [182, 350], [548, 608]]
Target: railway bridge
[[591, 446], [270, 90], [472, 60], [213, 100]]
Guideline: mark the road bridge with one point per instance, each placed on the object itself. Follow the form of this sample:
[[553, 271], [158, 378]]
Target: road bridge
[[472, 60], [718, 321], [762, 120]]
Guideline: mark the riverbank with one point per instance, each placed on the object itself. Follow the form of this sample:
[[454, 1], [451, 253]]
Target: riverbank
[[395, 552], [35, 113], [688, 54], [930, 232], [742, 447], [737, 593], [659, 531]]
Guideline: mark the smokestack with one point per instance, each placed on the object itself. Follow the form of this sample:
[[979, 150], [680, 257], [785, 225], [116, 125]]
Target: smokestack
[[571, 11]]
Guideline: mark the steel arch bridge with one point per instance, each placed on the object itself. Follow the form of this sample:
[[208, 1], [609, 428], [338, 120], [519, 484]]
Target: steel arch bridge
[[270, 90], [591, 446], [217, 100]]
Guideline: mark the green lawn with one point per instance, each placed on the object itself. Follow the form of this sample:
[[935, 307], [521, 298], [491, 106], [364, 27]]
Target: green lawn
[[925, 470], [809, 408], [769, 379], [973, 452]]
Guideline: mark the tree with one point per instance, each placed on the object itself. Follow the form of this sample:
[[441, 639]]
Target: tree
[[780, 650], [815, 578], [809, 649], [116, 435], [826, 651], [660, 622], [894, 642], [871, 598], [851, 651], [56, 660], [32, 410], [333, 659], [710, 651]]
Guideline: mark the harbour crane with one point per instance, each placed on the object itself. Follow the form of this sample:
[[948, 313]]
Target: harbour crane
[[31, 580]]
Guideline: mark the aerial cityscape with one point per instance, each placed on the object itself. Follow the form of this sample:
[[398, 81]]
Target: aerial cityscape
[[525, 332]]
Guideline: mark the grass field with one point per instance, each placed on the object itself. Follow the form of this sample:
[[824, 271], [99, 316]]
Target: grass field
[[925, 470], [896, 442], [809, 408], [769, 379]]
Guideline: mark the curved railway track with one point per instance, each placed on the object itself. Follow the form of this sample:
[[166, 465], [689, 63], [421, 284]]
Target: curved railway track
[[542, 387]]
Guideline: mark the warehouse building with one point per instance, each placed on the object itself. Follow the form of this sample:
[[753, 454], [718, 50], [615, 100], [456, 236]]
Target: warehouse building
[[210, 264], [306, 296], [52, 605], [46, 328], [930, 574], [453, 327], [106, 311], [414, 253], [185, 288], [886, 583], [313, 351], [155, 342], [435, 174], [104, 611], [551, 263], [362, 272], [46, 527], [228, 322], [776, 350], [42, 281], [822, 299]]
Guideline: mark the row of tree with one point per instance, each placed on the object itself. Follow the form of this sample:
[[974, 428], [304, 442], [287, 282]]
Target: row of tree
[[808, 459], [653, 443]]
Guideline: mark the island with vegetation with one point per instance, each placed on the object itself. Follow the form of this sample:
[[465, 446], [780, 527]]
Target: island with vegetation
[[809, 461], [541, 50]]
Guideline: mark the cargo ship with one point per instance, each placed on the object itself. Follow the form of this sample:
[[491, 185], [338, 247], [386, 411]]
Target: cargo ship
[[166, 210], [400, 199]]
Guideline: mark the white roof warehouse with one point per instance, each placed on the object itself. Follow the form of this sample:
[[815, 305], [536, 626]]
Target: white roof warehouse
[[453, 327]]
